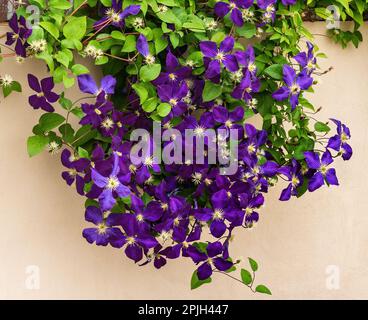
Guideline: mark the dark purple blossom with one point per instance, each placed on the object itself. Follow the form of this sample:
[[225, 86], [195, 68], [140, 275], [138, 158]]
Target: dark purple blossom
[[248, 86], [294, 86], [247, 59], [112, 186], [339, 141], [135, 239], [323, 173], [173, 94], [96, 113], [307, 60], [294, 175], [234, 7], [213, 258], [75, 167], [174, 71], [215, 56], [88, 85], [105, 231], [44, 96], [221, 211], [19, 34], [116, 16]]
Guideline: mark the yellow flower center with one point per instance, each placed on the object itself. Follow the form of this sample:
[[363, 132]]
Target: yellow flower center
[[112, 183]]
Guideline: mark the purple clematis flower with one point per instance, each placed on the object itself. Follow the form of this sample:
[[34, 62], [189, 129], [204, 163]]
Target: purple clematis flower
[[112, 186], [173, 94], [174, 251], [339, 141], [229, 119], [45, 96], [234, 7], [270, 11], [75, 166], [143, 49], [88, 85], [212, 258], [294, 86], [294, 175], [247, 58], [96, 113], [135, 239], [215, 56], [174, 71], [246, 87], [323, 173], [307, 60], [105, 231], [221, 211], [116, 16], [19, 34]]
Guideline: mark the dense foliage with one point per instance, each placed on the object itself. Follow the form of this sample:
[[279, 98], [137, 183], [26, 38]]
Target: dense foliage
[[184, 64]]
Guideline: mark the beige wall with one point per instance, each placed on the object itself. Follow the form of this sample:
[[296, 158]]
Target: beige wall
[[42, 219]]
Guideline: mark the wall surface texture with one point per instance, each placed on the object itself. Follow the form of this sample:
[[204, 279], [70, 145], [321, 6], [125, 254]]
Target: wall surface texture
[[297, 243]]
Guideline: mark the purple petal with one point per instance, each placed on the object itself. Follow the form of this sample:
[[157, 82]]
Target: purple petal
[[315, 182], [281, 94], [217, 228], [99, 179], [204, 271], [230, 63], [208, 48], [312, 160], [87, 84], [227, 44], [222, 264], [33, 83], [331, 177], [222, 9], [289, 75], [236, 17], [108, 84], [142, 45], [134, 252], [214, 249], [214, 69], [94, 215]]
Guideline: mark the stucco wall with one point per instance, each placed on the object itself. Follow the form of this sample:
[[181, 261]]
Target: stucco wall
[[295, 242]]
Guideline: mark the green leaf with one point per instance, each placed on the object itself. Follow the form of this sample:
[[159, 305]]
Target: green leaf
[[60, 4], [117, 35], [130, 44], [49, 121], [150, 72], [196, 283], [36, 144], [248, 30], [141, 91], [79, 69], [274, 71], [163, 109], [253, 264], [150, 104], [321, 127], [75, 28], [50, 28], [263, 289], [246, 277], [211, 91]]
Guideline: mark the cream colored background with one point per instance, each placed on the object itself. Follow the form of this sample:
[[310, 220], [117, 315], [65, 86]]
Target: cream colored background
[[42, 219]]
